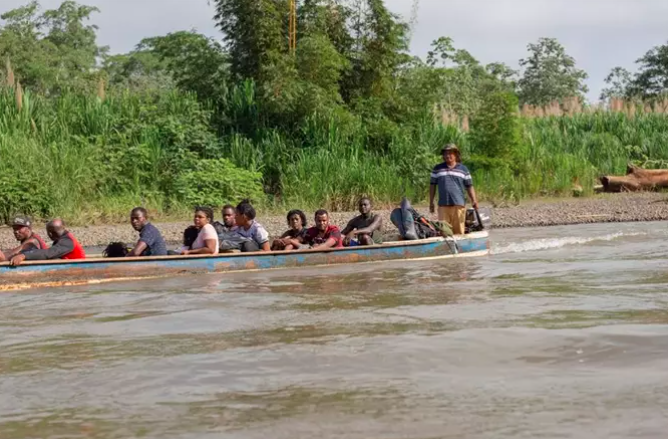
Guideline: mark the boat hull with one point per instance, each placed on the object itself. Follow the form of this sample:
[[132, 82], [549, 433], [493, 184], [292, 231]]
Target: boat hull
[[60, 273]]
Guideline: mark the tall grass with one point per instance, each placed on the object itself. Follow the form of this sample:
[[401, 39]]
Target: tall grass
[[91, 158]]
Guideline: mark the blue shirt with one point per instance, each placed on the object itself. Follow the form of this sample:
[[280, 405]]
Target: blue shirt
[[452, 183], [255, 232], [155, 245]]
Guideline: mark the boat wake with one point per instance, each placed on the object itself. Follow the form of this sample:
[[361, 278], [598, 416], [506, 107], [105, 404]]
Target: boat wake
[[554, 243]]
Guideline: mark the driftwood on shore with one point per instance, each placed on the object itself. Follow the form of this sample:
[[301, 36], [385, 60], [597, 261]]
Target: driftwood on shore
[[636, 180]]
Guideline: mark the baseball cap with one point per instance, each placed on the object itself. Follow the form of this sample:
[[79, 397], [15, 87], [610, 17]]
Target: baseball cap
[[22, 221], [450, 147]]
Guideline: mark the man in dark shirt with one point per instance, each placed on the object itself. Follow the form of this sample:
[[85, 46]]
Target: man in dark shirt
[[29, 240], [150, 241], [364, 229], [65, 246], [452, 179], [323, 235]]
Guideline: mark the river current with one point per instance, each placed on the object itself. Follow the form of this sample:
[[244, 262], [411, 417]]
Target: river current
[[561, 333]]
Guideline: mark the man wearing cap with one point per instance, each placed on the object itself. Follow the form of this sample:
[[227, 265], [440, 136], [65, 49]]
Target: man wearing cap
[[22, 227], [452, 179], [65, 246]]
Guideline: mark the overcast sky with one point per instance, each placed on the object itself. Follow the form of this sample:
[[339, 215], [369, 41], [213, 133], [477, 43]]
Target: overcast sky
[[599, 34]]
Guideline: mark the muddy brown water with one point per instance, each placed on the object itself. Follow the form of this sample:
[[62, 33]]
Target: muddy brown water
[[561, 333]]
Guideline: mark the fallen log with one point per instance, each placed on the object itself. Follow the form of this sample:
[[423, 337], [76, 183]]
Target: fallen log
[[636, 180]]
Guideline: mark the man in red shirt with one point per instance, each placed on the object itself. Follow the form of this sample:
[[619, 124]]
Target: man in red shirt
[[323, 235]]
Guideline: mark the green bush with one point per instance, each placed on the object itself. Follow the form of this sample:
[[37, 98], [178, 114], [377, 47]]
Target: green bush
[[24, 196], [215, 182]]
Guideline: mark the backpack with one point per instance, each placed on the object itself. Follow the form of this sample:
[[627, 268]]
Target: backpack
[[412, 225]]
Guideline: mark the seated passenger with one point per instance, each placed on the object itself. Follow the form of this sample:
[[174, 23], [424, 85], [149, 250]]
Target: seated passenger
[[28, 240], [65, 246], [116, 250], [364, 229], [256, 235], [207, 238], [150, 241], [189, 238], [323, 235], [289, 240], [229, 223]]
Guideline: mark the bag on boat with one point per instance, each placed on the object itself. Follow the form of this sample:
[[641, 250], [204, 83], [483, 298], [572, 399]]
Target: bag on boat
[[229, 240], [412, 225]]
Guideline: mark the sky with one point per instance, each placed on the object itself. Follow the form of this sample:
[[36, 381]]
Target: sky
[[599, 34]]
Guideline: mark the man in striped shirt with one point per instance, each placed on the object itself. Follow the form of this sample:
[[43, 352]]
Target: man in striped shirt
[[452, 179]]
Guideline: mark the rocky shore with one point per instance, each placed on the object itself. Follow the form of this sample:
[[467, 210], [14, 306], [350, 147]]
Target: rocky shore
[[601, 208]]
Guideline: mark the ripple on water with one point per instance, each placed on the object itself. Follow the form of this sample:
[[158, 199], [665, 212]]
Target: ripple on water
[[556, 341]]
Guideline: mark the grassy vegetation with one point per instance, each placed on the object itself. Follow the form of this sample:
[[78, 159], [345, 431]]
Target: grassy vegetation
[[184, 119], [92, 159]]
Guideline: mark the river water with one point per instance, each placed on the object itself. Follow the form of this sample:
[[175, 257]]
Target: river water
[[561, 333]]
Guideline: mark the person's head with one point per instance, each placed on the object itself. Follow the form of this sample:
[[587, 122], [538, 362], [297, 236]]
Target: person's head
[[56, 229], [451, 154], [190, 236], [116, 250], [229, 214], [322, 220], [296, 219], [364, 205], [245, 213], [22, 227], [138, 218], [203, 216]]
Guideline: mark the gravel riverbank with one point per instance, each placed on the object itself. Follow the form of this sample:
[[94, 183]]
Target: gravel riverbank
[[602, 208]]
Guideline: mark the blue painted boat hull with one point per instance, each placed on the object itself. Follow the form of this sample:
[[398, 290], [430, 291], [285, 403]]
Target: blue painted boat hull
[[57, 273]]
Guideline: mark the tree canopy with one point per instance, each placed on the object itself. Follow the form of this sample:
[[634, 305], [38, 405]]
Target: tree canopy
[[550, 74]]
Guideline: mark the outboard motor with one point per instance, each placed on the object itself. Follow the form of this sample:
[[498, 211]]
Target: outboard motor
[[473, 223]]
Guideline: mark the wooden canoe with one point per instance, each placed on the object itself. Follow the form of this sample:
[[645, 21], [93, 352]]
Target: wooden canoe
[[61, 273]]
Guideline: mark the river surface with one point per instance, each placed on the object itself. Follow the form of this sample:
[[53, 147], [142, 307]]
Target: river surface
[[561, 333]]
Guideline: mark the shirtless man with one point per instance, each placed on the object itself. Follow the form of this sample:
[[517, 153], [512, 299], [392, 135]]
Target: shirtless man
[[365, 228], [29, 240]]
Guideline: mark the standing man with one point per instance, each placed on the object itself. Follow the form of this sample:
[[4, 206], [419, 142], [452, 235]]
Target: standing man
[[65, 246], [365, 228], [452, 179], [29, 240], [150, 241]]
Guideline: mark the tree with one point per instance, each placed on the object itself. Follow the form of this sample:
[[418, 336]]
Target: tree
[[254, 31], [652, 79], [197, 63], [619, 82], [550, 74], [495, 128], [54, 50]]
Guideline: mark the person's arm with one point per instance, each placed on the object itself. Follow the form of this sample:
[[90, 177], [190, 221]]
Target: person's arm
[[138, 250], [295, 242], [472, 196], [376, 224], [349, 228], [208, 249], [64, 246], [262, 239], [331, 242], [25, 247], [432, 194]]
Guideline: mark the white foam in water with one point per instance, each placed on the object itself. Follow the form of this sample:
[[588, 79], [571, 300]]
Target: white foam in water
[[553, 243]]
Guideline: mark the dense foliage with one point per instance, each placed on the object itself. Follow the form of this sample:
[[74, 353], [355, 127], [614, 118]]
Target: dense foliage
[[184, 119]]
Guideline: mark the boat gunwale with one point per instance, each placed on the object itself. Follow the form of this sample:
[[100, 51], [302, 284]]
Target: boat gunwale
[[392, 244]]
